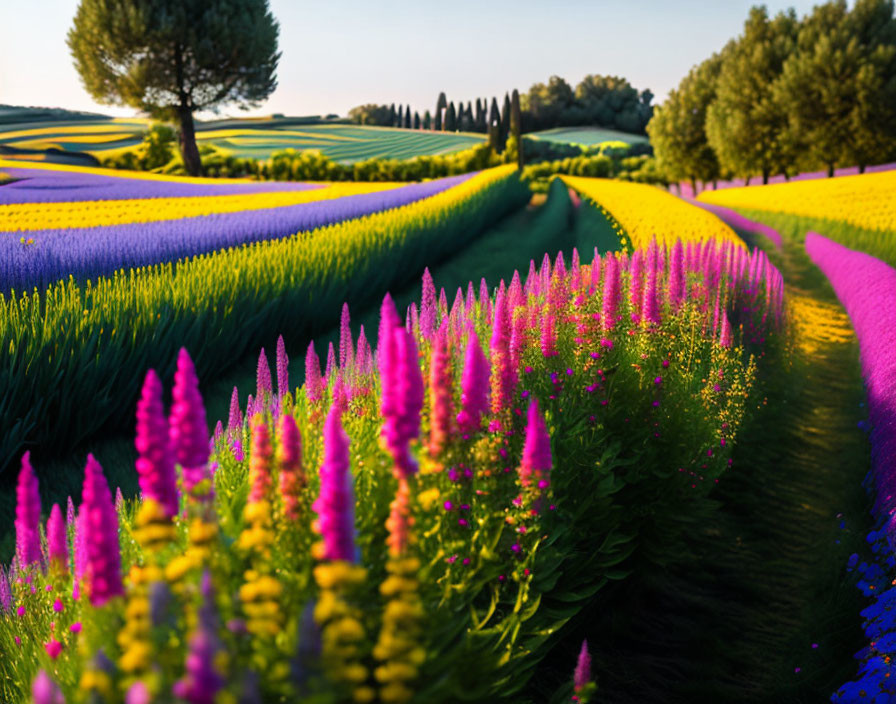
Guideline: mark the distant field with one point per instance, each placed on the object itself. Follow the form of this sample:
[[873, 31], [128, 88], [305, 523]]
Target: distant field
[[587, 136], [253, 138]]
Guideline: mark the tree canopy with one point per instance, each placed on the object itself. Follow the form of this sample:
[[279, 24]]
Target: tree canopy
[[171, 58]]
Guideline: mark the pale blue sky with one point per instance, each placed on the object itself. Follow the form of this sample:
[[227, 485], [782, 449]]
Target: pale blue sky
[[341, 53]]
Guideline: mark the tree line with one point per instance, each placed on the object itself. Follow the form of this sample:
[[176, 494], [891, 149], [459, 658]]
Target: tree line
[[787, 95], [604, 101]]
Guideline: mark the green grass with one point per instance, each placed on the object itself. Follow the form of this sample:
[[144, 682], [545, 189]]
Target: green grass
[[587, 136]]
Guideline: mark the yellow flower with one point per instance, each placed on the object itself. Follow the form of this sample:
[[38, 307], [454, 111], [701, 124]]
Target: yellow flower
[[428, 498]]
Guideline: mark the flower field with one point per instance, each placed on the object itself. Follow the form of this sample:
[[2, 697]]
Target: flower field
[[248, 138], [436, 511], [644, 212], [329, 541]]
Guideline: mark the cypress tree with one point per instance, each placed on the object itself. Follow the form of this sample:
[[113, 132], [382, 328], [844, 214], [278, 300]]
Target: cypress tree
[[392, 115], [416, 120], [407, 118], [427, 120], [400, 119], [480, 116], [451, 118], [505, 121], [494, 127], [441, 105], [516, 126]]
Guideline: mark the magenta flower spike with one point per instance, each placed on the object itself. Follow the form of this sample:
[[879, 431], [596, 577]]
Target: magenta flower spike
[[531, 288], [441, 394], [235, 416], [330, 370], [582, 674], [470, 303], [412, 321], [363, 356], [559, 271], [103, 567], [28, 550], [485, 301], [45, 691], [474, 387], [282, 369], [716, 313], [313, 382], [545, 271], [155, 458], [402, 422], [504, 375], [427, 306], [187, 423], [6, 600], [595, 271], [725, 336], [202, 681], [335, 504], [676, 276], [341, 392], [535, 465], [575, 271], [291, 476], [549, 334], [264, 387], [650, 309], [386, 357], [457, 311], [519, 325], [611, 293], [79, 551], [57, 543], [443, 304], [636, 288], [515, 297], [346, 345]]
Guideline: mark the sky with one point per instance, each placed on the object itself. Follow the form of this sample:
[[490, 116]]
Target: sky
[[340, 53]]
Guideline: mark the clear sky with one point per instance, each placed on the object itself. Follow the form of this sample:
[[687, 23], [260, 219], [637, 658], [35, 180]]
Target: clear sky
[[341, 53]]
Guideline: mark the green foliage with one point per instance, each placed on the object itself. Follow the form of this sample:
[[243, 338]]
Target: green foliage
[[678, 127], [839, 86], [171, 58], [75, 345], [745, 124], [608, 101], [372, 114]]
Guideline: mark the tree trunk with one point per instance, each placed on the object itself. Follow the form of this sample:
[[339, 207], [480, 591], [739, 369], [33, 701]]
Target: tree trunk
[[830, 170], [693, 187], [747, 181], [188, 149], [861, 168], [765, 177]]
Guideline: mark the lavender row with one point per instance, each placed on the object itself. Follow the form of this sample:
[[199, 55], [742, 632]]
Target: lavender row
[[98, 251], [56, 186]]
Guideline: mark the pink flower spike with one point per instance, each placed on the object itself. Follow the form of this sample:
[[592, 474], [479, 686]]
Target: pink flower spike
[[188, 426], [282, 369], [582, 674], [427, 306], [335, 503], [103, 559], [27, 523], [441, 394], [155, 458], [474, 387], [263, 384], [313, 381], [346, 345], [535, 465], [57, 541]]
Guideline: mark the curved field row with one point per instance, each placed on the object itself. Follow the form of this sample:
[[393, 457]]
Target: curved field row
[[866, 200], [646, 212], [34, 217]]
